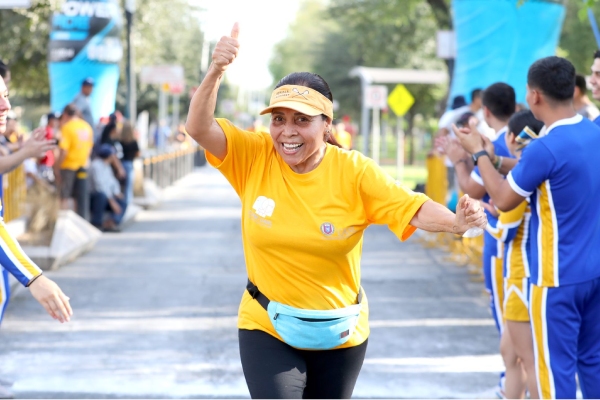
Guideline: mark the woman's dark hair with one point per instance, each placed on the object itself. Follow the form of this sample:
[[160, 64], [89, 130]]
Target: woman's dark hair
[[105, 137], [315, 82], [521, 119]]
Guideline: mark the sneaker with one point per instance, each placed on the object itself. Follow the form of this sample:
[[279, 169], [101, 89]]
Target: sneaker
[[6, 393]]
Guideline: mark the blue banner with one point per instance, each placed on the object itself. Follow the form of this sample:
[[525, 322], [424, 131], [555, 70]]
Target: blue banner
[[498, 40], [85, 42]]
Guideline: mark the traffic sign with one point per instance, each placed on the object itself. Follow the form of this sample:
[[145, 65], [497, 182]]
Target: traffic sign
[[400, 100], [376, 96]]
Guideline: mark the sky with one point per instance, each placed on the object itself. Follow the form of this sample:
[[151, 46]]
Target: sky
[[263, 23]]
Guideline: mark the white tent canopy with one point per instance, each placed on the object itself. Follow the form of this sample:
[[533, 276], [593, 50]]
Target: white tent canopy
[[369, 76], [394, 75]]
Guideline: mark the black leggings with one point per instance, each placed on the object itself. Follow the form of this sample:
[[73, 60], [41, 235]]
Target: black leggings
[[275, 370]]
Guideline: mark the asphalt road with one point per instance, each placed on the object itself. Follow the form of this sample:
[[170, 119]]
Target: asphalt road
[[155, 313]]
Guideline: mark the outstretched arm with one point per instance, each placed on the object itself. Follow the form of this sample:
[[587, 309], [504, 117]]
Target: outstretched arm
[[201, 124], [44, 290], [434, 217]]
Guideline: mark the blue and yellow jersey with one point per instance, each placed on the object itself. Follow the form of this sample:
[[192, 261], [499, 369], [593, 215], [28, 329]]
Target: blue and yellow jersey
[[500, 149], [597, 120], [513, 230], [561, 174], [14, 259]]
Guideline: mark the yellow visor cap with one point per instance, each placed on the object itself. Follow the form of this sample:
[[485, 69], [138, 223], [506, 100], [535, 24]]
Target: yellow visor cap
[[300, 98]]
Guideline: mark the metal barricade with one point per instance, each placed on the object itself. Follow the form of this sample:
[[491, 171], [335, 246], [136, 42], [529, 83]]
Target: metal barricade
[[14, 193], [166, 168]]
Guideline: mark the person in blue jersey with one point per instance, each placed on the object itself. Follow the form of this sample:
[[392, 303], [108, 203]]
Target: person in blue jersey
[[499, 103], [12, 258], [595, 81], [559, 172], [516, 344]]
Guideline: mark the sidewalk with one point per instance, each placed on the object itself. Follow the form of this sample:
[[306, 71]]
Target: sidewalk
[[155, 313]]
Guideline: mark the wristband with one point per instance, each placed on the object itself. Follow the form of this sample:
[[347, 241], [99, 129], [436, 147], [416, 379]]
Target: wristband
[[33, 280], [498, 163]]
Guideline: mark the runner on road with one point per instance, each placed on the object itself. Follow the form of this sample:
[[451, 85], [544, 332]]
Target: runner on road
[[302, 323]]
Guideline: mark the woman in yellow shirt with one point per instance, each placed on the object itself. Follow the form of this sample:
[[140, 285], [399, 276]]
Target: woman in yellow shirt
[[303, 324]]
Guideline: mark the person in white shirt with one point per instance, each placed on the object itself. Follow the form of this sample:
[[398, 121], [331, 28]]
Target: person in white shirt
[[105, 191], [581, 102]]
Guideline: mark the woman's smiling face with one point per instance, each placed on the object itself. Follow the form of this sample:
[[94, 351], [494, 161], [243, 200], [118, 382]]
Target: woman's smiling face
[[299, 138]]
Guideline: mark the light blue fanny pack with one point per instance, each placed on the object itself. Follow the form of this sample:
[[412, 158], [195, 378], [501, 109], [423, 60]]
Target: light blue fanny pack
[[310, 329]]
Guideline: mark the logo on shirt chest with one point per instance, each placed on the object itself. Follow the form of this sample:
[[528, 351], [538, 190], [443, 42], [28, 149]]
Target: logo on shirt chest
[[327, 228], [263, 209], [264, 206]]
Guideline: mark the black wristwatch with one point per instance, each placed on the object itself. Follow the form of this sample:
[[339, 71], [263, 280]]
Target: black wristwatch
[[479, 154]]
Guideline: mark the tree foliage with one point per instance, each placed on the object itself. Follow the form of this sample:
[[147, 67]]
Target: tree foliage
[[577, 42], [164, 32], [24, 35]]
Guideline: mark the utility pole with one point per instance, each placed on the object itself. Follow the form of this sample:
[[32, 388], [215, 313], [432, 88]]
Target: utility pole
[[131, 110]]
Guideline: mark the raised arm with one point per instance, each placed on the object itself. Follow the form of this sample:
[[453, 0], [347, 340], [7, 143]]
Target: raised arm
[[201, 124]]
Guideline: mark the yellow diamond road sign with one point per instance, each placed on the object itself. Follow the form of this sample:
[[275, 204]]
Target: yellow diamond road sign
[[400, 100]]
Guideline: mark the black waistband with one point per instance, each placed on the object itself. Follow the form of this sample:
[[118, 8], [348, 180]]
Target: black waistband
[[264, 301]]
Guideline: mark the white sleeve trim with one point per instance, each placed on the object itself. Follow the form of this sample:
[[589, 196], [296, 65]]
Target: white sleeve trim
[[477, 178], [517, 188]]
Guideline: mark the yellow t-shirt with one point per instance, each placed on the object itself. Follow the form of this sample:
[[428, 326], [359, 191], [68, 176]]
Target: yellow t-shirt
[[77, 139], [303, 233]]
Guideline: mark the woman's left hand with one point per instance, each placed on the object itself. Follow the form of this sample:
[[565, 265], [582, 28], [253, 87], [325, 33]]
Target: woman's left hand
[[469, 214]]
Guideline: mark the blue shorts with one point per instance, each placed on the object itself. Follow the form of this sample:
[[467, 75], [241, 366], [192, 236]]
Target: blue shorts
[[566, 336], [493, 273]]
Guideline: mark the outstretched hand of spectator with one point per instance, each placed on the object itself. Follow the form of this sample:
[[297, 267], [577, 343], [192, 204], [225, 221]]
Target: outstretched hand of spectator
[[37, 145], [469, 214], [49, 295], [469, 137], [452, 148]]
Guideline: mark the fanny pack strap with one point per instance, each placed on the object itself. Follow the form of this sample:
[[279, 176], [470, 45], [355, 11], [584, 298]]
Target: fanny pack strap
[[257, 295], [264, 301]]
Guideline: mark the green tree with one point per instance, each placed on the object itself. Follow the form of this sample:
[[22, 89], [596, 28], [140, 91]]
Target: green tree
[[24, 35], [577, 42], [164, 32], [299, 49]]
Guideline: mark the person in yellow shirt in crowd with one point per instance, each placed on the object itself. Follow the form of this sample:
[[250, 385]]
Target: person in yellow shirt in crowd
[[342, 136], [513, 230], [303, 320], [75, 145]]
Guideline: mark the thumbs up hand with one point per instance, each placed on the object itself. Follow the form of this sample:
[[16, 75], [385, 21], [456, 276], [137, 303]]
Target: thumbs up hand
[[226, 50]]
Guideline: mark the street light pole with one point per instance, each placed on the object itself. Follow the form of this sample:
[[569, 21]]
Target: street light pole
[[131, 110]]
